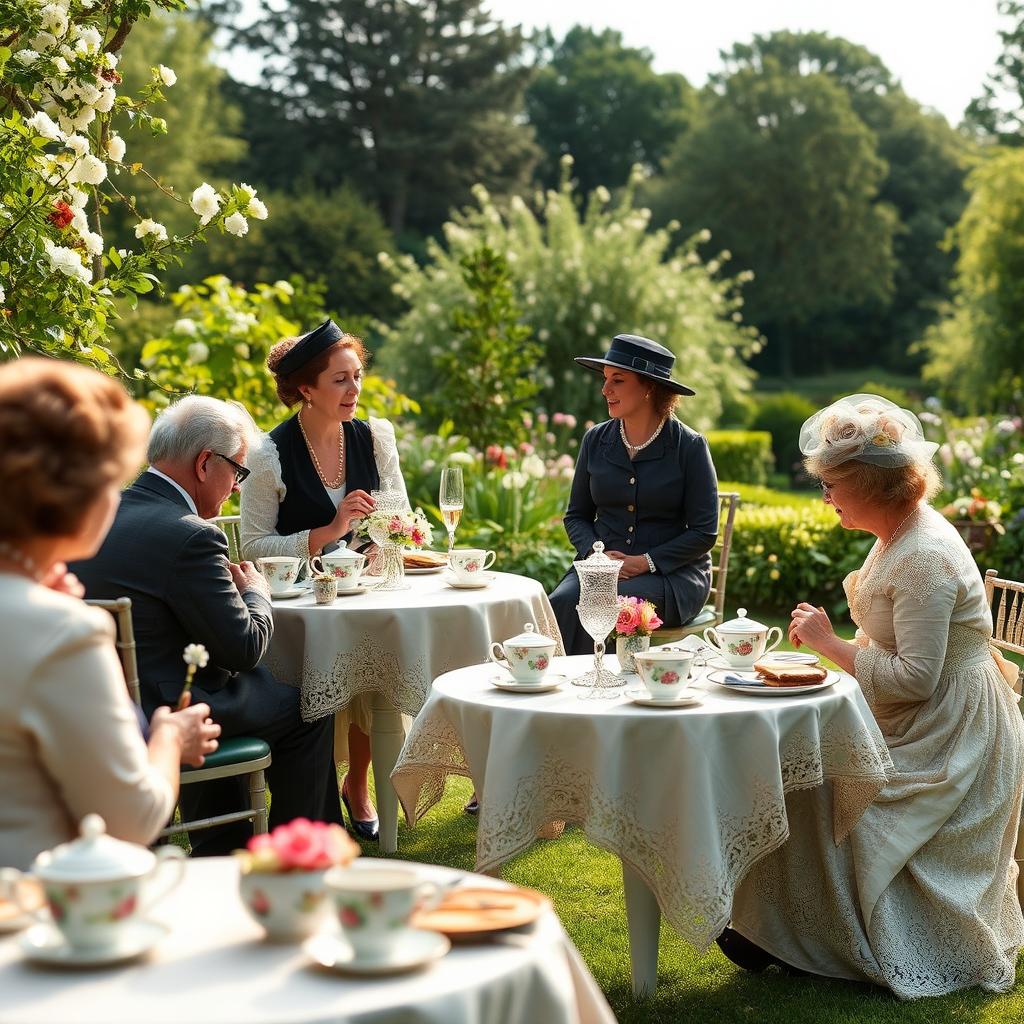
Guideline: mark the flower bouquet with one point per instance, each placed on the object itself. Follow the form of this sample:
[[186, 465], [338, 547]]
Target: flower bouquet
[[282, 876], [976, 518], [393, 529], [637, 620]]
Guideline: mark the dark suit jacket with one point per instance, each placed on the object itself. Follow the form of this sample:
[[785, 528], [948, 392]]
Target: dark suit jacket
[[663, 503], [174, 567]]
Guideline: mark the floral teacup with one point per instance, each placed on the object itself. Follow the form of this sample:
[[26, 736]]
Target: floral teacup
[[527, 656], [281, 571], [664, 671], [468, 564]]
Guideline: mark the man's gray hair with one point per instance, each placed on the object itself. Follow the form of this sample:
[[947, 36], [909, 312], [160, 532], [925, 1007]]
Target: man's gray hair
[[184, 429]]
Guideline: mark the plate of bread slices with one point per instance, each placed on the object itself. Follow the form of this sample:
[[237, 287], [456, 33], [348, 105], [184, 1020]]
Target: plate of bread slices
[[422, 562], [772, 677]]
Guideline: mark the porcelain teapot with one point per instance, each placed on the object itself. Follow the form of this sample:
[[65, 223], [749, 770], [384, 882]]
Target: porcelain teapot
[[527, 656], [741, 641]]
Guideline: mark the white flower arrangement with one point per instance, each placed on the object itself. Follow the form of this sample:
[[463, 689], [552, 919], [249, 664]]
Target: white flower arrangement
[[407, 528]]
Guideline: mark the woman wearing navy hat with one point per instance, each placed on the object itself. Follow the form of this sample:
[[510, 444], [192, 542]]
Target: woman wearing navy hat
[[645, 487], [310, 484]]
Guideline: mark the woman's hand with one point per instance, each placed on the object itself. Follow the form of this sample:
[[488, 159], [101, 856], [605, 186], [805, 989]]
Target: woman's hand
[[632, 565], [810, 627], [64, 582], [354, 505]]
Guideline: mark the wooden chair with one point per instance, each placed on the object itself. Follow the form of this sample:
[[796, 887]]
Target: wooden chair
[[230, 526], [1008, 635], [239, 755], [713, 612]]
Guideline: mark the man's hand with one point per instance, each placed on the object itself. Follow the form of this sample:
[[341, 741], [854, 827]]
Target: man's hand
[[197, 732], [248, 577]]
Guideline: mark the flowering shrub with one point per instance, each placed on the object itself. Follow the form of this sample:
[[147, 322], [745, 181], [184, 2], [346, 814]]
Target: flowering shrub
[[977, 509], [62, 167], [636, 618], [300, 845], [579, 280], [410, 529]]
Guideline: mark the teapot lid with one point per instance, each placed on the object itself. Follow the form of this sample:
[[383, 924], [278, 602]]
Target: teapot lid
[[93, 857], [741, 624], [530, 638]]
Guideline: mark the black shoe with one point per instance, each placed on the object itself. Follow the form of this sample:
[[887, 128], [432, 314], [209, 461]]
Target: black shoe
[[473, 806], [363, 829], [751, 957]]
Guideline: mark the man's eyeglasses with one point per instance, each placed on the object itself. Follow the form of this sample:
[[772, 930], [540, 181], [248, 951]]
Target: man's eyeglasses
[[240, 471]]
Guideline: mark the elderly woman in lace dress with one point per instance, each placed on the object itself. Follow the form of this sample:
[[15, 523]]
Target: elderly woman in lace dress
[[312, 480], [921, 897]]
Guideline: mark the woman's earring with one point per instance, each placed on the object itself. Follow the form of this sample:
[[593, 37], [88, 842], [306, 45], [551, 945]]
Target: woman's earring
[[309, 404]]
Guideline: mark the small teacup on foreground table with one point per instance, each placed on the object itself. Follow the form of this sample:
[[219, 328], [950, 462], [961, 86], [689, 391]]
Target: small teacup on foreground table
[[469, 564], [280, 571], [374, 905], [664, 671]]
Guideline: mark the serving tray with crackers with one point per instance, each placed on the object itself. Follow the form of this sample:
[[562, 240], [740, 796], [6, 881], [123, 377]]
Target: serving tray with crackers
[[466, 914], [422, 562]]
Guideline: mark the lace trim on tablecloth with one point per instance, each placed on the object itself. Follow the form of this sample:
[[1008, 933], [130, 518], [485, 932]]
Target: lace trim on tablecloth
[[696, 899]]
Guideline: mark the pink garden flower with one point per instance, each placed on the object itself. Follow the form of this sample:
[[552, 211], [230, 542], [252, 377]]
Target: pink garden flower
[[649, 620], [629, 617], [302, 845]]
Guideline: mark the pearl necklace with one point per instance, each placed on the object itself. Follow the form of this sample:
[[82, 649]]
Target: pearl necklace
[[337, 481], [28, 565], [903, 522], [632, 449]]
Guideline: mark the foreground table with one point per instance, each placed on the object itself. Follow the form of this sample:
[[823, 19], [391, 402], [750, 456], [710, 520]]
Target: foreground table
[[688, 799], [212, 967], [392, 644]]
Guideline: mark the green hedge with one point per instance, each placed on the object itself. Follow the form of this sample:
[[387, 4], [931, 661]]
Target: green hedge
[[744, 455], [784, 555]]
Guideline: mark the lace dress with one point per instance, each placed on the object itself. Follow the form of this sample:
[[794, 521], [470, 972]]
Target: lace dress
[[921, 896]]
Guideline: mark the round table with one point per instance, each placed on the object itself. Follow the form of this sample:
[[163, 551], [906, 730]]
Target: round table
[[392, 644], [689, 799], [213, 967]]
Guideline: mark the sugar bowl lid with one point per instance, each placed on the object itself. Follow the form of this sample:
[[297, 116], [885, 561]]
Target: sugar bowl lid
[[741, 624], [530, 638], [93, 857]]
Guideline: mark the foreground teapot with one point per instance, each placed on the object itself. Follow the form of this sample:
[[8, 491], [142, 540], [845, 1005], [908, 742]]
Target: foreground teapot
[[527, 655], [741, 641]]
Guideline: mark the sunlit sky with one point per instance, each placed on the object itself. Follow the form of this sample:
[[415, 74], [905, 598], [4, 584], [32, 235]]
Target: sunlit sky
[[941, 50]]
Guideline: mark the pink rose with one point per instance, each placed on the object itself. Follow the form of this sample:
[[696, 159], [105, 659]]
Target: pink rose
[[628, 619], [395, 525], [303, 845], [418, 537], [669, 678]]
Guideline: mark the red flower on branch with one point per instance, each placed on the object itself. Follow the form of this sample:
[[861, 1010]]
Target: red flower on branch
[[62, 214]]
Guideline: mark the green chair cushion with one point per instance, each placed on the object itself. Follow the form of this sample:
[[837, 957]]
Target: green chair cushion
[[705, 617], [235, 751]]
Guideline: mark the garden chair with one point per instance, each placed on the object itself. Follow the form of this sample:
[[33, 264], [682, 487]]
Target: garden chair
[[229, 526], [713, 613], [1008, 635], [240, 755]]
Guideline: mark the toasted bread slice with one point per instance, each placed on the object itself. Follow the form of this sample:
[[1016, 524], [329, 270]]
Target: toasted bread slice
[[423, 559], [776, 673]]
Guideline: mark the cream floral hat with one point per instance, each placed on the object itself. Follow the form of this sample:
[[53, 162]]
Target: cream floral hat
[[867, 428]]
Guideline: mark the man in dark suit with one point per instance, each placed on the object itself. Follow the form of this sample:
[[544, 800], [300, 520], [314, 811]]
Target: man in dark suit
[[174, 565]]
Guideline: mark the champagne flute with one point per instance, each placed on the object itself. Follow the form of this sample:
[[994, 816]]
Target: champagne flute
[[451, 501]]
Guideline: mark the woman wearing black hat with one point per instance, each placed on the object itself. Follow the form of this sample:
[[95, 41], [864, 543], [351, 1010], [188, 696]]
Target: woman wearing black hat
[[310, 484], [645, 486]]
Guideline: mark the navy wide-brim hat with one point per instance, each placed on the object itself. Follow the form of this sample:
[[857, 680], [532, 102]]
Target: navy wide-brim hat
[[639, 355]]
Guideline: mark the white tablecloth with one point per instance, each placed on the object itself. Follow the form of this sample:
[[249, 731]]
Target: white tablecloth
[[212, 967], [689, 799], [396, 642]]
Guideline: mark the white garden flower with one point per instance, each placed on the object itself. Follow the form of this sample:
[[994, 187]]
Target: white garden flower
[[166, 75], [198, 352], [93, 243], [82, 119], [115, 148], [88, 39], [88, 93], [236, 224], [205, 202], [26, 57], [67, 261], [184, 326], [43, 41], [90, 169], [256, 209], [533, 465], [3, 294], [105, 101], [76, 198], [242, 350], [284, 286], [246, 191], [62, 66], [151, 227], [42, 124], [196, 654], [78, 144], [80, 222]]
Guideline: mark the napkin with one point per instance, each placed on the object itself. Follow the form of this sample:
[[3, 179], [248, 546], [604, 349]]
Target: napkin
[[742, 681]]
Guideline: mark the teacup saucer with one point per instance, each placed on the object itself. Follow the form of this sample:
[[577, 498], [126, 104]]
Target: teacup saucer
[[486, 580], [413, 948], [287, 595], [364, 586], [552, 681], [43, 943], [686, 699]]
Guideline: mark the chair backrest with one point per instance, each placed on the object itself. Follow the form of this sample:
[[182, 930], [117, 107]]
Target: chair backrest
[[1006, 599], [728, 503], [121, 609], [230, 526]]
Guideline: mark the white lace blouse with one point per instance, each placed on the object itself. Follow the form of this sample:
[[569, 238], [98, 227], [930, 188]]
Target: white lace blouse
[[264, 490]]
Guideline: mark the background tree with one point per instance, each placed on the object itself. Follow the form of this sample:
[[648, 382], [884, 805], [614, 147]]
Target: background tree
[[998, 113], [412, 101], [786, 175], [602, 102]]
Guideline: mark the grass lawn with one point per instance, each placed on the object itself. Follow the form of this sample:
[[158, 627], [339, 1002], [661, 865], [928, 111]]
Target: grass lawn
[[585, 884]]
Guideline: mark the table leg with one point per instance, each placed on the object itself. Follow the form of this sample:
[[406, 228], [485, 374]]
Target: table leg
[[386, 738], [643, 917]]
